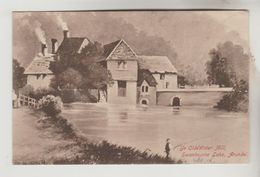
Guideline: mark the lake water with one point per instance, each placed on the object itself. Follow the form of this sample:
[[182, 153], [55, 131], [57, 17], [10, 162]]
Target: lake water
[[188, 128]]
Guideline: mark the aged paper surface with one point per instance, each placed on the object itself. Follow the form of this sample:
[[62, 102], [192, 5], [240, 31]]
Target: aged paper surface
[[130, 87]]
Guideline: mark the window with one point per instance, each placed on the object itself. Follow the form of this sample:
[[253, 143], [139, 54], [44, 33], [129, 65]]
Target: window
[[118, 64], [38, 76], [121, 88], [162, 76], [144, 88], [167, 84], [122, 65]]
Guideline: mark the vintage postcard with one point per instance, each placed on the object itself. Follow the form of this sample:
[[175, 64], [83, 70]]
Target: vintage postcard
[[130, 87]]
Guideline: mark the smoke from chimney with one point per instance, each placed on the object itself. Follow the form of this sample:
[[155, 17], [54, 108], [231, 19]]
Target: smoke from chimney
[[61, 23], [40, 34], [54, 46]]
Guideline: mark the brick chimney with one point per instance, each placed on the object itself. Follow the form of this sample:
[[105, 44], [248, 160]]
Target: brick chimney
[[54, 46], [66, 34], [44, 49]]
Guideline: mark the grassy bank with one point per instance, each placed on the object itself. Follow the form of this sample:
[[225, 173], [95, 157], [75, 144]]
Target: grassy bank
[[74, 148]]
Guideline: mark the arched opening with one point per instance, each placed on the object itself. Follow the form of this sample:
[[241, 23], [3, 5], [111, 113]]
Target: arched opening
[[176, 101], [144, 101]]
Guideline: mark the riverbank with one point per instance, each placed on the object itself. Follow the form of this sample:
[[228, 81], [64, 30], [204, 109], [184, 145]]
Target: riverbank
[[55, 141]]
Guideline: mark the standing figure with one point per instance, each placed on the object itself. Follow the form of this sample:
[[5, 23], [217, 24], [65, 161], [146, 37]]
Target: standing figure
[[167, 148]]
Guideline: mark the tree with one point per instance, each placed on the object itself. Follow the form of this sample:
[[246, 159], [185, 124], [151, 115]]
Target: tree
[[182, 81], [229, 66], [68, 79], [83, 66], [189, 75], [96, 76], [236, 100], [227, 63], [81, 71], [19, 79], [218, 70]]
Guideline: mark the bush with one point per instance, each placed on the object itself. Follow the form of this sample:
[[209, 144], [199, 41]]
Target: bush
[[71, 95], [27, 90], [237, 100], [40, 92], [243, 105], [88, 98], [67, 95], [51, 105]]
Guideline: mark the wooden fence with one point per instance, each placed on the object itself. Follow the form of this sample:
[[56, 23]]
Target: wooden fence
[[28, 101]]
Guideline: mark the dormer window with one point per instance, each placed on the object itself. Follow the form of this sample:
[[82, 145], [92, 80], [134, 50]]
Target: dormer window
[[122, 65], [162, 76]]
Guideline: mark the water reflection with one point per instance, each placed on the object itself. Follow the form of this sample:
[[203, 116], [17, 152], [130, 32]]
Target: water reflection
[[176, 111], [123, 116], [148, 127], [144, 107]]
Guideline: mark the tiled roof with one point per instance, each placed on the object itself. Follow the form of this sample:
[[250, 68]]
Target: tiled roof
[[71, 45], [144, 74], [108, 48], [40, 65], [156, 64]]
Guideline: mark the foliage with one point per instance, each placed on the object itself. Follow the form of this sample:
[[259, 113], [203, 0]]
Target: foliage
[[189, 75], [27, 90], [81, 70], [228, 62], [107, 153], [68, 79], [19, 79], [68, 95], [182, 81], [229, 67], [233, 101], [218, 70], [98, 77], [86, 97], [40, 92], [51, 105], [73, 95]]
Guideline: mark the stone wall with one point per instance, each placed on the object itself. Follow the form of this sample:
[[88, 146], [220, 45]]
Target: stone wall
[[190, 98]]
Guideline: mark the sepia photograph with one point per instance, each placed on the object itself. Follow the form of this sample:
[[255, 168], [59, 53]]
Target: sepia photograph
[[130, 87]]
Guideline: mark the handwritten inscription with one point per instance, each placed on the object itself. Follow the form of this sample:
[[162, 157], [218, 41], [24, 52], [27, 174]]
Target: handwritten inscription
[[208, 154]]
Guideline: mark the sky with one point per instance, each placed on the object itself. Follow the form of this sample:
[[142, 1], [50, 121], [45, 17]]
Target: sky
[[186, 37]]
